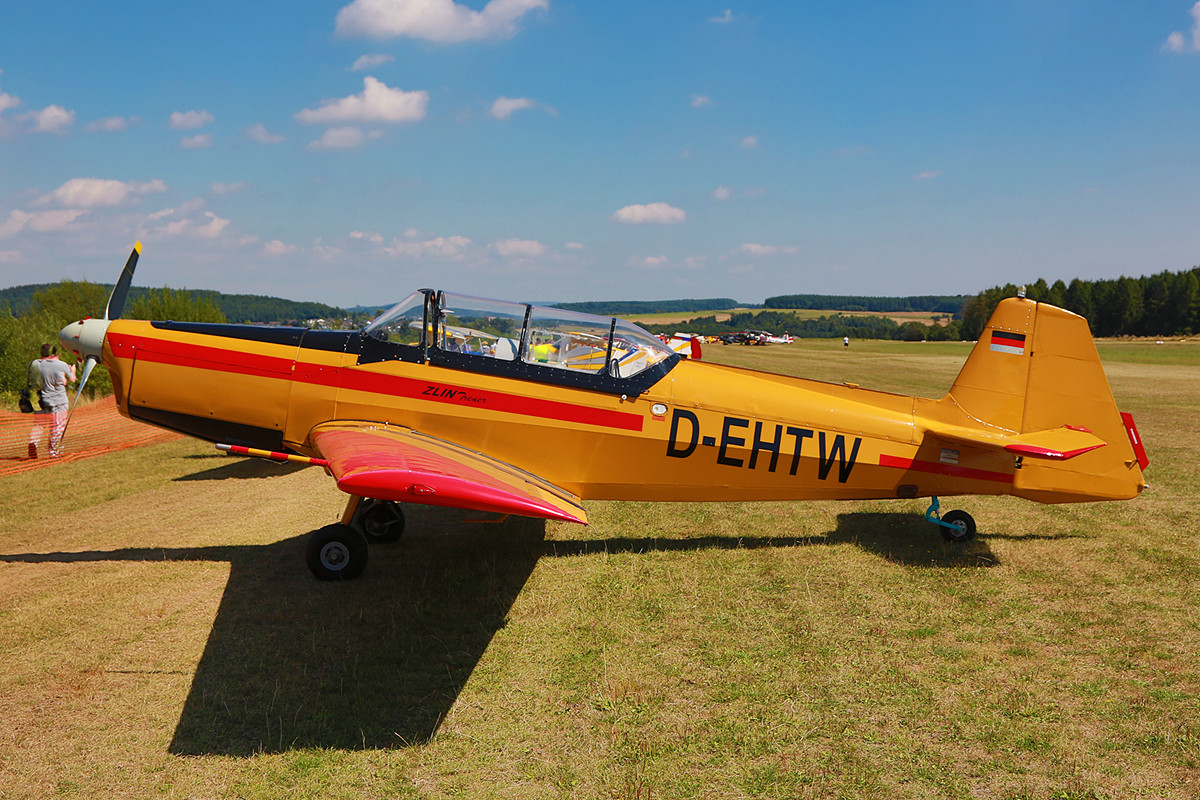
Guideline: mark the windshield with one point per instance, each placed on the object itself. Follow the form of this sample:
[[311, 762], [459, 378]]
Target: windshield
[[536, 335], [402, 322]]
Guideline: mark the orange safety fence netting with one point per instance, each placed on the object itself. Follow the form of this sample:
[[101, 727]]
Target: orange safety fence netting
[[95, 428]]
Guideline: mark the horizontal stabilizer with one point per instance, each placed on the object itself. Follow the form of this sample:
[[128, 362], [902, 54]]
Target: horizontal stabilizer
[[1058, 443]]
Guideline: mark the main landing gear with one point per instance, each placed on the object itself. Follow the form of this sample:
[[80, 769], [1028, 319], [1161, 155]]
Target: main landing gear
[[339, 552], [956, 526]]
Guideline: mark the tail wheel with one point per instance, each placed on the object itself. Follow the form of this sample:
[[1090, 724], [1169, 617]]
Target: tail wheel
[[382, 522], [337, 553], [962, 526]]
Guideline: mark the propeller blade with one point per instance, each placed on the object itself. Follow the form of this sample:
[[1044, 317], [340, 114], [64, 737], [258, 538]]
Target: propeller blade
[[88, 365], [116, 300]]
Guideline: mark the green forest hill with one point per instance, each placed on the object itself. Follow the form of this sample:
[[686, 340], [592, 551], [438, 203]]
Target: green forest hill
[[249, 308]]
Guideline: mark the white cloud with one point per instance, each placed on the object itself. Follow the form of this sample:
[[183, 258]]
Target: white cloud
[[39, 221], [573, 246], [220, 189], [343, 138], [276, 248], [259, 133], [97, 192], [653, 261], [190, 120], [722, 193], [51, 119], [435, 20], [503, 107], [926, 176], [1177, 41], [214, 227], [766, 249], [377, 103], [725, 18], [183, 221], [110, 124], [371, 61], [659, 213], [176, 227], [195, 204], [329, 254], [750, 142], [439, 247], [8, 101], [701, 101], [197, 142], [370, 236], [519, 248]]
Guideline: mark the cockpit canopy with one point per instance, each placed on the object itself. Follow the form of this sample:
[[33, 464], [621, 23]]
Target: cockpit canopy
[[536, 335]]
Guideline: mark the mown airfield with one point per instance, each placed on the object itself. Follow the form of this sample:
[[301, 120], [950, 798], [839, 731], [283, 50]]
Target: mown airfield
[[160, 636]]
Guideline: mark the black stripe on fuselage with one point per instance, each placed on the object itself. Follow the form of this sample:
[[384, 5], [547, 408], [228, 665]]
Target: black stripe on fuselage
[[329, 341], [209, 429]]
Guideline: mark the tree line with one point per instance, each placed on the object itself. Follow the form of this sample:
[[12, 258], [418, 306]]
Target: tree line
[[247, 308], [1164, 304], [943, 304]]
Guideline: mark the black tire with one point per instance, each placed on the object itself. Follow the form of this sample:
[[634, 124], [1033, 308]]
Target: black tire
[[964, 526], [382, 522], [337, 553]]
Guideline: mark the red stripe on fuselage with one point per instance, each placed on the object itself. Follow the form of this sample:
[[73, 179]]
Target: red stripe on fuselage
[[938, 468], [464, 397], [219, 359]]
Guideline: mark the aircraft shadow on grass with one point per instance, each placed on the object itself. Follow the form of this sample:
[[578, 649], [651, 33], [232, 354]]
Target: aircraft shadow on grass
[[378, 662], [241, 468]]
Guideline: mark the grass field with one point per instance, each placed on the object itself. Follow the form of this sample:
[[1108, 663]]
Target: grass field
[[160, 636]]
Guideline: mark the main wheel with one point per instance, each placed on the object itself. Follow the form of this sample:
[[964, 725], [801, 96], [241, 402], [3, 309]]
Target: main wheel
[[964, 526], [337, 553], [382, 522]]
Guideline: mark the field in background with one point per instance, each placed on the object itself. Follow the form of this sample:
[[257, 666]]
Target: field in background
[[161, 637], [899, 317]]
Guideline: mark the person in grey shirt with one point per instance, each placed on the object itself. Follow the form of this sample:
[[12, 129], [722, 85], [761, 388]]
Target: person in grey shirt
[[50, 376]]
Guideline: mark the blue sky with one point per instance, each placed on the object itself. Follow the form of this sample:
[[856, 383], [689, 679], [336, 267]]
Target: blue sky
[[349, 152]]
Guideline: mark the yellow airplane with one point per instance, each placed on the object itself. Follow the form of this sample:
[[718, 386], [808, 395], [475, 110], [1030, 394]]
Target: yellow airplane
[[551, 407]]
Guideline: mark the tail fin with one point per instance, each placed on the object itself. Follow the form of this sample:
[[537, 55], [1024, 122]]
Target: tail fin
[[1034, 381]]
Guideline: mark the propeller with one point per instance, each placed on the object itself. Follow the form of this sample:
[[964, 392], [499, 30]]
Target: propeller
[[85, 338]]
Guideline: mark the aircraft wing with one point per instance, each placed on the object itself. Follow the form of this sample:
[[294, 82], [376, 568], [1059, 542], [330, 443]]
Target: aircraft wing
[[1055, 443], [389, 462]]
